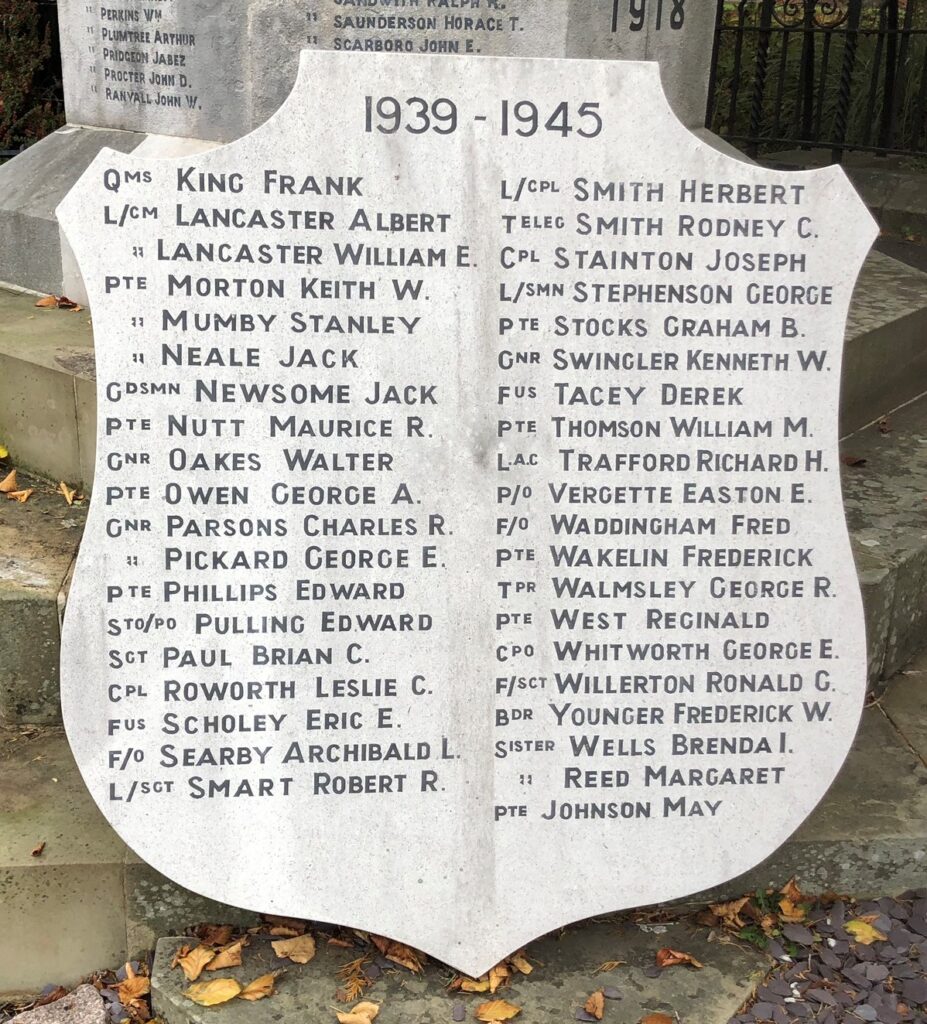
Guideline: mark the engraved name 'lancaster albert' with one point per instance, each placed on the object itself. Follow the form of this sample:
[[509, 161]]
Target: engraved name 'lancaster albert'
[[505, 494]]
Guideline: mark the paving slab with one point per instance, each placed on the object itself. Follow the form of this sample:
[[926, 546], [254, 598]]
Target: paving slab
[[563, 979], [38, 545], [83, 1006], [63, 911]]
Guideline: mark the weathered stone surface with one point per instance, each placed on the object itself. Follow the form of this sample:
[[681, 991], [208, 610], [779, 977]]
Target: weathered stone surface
[[38, 543], [564, 978], [83, 1006], [31, 186], [63, 910], [213, 70]]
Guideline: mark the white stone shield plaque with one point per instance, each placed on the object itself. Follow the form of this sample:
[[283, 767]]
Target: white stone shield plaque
[[466, 554]]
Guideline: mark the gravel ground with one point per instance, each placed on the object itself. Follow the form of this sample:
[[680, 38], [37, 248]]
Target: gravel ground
[[830, 977]]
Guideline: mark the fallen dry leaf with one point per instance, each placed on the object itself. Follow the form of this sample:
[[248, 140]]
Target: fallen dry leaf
[[132, 989], [259, 988], [478, 985], [405, 956], [863, 931], [65, 303], [67, 492], [179, 955], [343, 943], [214, 934], [22, 496], [300, 949], [212, 993], [521, 964], [673, 957], [884, 425], [497, 977], [791, 892], [294, 924], [363, 1013], [791, 912], [496, 1010], [47, 302], [193, 963], [38, 849], [852, 460], [595, 1004], [228, 956], [4, 452], [657, 1018], [729, 913], [609, 965], [8, 483]]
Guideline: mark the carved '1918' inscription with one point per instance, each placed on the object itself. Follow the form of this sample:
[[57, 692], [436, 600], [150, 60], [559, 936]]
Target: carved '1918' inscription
[[466, 468]]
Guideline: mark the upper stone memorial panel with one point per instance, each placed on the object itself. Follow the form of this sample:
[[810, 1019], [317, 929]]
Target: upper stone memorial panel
[[211, 69]]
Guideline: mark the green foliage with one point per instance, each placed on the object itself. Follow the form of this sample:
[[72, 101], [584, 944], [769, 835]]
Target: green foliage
[[29, 103]]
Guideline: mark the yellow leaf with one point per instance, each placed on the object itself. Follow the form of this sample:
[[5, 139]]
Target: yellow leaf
[[791, 912], [497, 1010], [67, 492], [300, 950], [212, 993], [595, 1004], [8, 483], [521, 964], [363, 1013], [497, 976], [469, 985], [259, 988], [863, 932], [228, 956], [132, 989], [48, 302], [21, 496], [791, 892], [4, 453], [193, 963]]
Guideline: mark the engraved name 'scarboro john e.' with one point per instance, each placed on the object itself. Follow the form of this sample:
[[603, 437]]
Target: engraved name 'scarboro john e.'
[[467, 554]]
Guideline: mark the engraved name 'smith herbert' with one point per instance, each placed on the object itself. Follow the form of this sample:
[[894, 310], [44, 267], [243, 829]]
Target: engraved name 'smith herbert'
[[466, 477]]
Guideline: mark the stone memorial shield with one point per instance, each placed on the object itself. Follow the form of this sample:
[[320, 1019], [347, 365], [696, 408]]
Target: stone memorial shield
[[467, 554]]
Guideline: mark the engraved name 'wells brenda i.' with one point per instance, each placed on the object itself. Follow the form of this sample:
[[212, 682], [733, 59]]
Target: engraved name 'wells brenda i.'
[[466, 475]]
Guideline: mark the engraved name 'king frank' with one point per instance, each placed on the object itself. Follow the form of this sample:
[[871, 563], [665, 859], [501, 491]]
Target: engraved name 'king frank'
[[467, 476]]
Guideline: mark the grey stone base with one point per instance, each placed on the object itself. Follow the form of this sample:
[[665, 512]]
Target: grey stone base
[[564, 978]]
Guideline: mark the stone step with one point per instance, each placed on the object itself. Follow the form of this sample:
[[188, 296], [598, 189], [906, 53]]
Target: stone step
[[47, 364], [564, 976], [883, 495], [87, 902], [38, 545]]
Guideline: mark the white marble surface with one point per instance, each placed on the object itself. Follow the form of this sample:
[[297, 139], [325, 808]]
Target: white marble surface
[[521, 560]]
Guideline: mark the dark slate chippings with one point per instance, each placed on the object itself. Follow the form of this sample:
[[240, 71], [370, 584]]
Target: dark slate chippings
[[837, 980], [582, 1015], [611, 993], [459, 1012]]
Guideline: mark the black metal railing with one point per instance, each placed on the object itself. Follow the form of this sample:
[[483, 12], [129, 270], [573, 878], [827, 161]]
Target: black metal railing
[[841, 74]]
